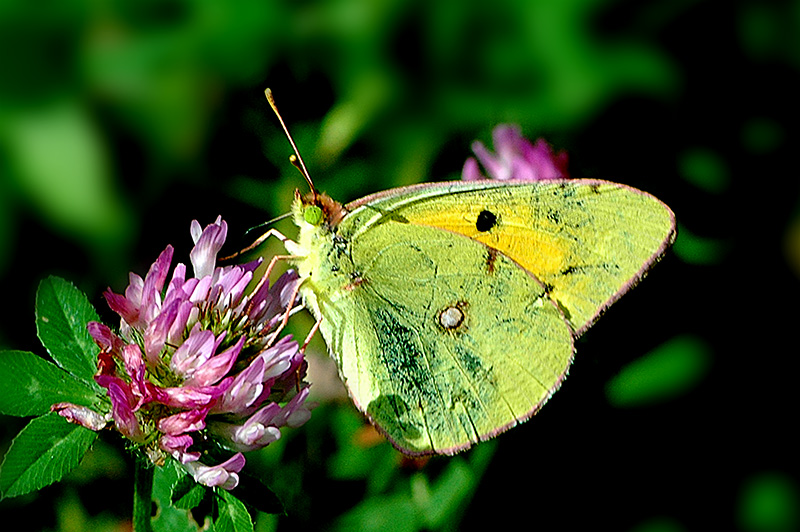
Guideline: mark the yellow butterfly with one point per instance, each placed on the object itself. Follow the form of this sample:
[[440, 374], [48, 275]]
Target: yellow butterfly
[[451, 308]]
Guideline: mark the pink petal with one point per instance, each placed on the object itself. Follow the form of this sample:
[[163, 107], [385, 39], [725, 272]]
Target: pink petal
[[178, 277], [222, 476], [471, 170], [246, 387], [294, 413], [516, 158], [193, 352], [204, 254], [216, 367], [493, 165], [180, 324], [81, 415], [135, 368], [178, 447], [250, 435], [105, 338], [133, 293], [155, 337], [127, 309], [282, 357], [183, 422], [269, 303], [153, 285], [200, 289], [123, 404], [184, 397]]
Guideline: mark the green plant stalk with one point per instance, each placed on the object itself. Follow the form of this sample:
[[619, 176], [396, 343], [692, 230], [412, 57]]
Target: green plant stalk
[[142, 496]]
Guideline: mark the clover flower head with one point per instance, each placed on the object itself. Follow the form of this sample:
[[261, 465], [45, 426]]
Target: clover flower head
[[516, 158], [199, 361]]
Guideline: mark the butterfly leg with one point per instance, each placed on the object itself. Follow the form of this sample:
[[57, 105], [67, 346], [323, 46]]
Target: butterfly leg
[[287, 314], [275, 258], [265, 278], [260, 240], [303, 347], [311, 335]]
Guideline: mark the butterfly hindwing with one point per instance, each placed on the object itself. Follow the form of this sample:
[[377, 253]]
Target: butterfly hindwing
[[454, 342]]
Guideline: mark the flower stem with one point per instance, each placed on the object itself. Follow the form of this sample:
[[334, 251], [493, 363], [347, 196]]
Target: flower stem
[[142, 496]]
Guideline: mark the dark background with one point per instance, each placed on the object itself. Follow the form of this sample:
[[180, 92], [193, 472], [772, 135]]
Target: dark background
[[121, 121]]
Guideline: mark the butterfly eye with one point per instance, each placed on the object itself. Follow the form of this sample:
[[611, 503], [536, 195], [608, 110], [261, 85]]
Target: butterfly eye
[[313, 215]]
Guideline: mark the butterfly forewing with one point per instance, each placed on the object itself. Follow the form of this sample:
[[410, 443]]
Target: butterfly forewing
[[586, 241]]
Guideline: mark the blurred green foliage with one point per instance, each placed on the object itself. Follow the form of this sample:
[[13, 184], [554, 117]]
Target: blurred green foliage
[[122, 120], [662, 524], [669, 371], [705, 170], [769, 503], [695, 249]]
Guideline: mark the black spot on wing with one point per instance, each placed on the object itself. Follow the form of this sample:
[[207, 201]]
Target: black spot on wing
[[486, 221]]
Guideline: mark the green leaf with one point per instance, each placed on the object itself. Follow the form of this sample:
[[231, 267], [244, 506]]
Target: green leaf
[[187, 493], [169, 518], [232, 515], [42, 453], [429, 504], [396, 512], [448, 494], [62, 312], [444, 500], [29, 385]]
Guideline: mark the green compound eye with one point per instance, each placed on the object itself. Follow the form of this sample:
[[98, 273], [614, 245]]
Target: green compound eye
[[313, 215]]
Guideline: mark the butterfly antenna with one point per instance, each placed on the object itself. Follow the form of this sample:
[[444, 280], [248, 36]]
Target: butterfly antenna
[[268, 223], [296, 159]]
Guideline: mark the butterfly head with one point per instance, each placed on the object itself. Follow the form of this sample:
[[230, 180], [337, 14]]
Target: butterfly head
[[317, 216], [317, 210]]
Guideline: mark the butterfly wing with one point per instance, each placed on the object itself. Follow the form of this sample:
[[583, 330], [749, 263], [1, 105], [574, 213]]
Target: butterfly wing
[[587, 241], [451, 308], [440, 340]]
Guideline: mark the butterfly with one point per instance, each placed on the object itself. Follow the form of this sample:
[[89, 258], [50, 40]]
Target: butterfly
[[451, 309]]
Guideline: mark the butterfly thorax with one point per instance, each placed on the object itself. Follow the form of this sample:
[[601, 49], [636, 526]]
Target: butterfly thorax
[[323, 261]]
